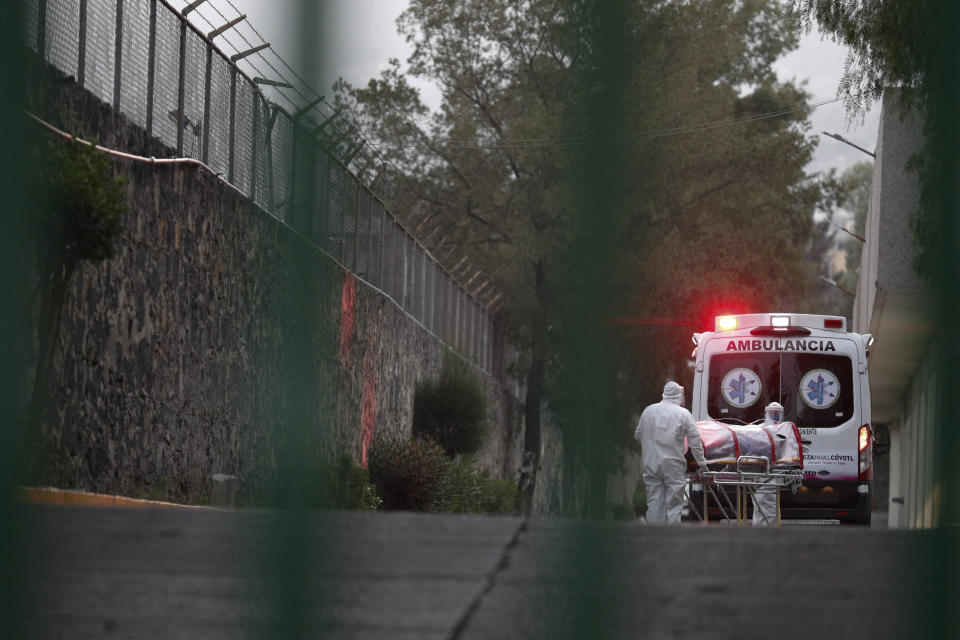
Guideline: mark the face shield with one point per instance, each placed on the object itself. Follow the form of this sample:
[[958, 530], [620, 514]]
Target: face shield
[[774, 413]]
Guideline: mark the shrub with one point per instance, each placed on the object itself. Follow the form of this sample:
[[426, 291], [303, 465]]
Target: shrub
[[465, 491], [451, 410], [417, 475], [347, 486], [80, 204], [407, 473]]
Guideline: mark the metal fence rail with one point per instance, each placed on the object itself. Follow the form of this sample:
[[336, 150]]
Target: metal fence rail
[[163, 74]]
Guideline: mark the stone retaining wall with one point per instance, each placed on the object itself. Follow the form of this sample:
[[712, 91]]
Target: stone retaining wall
[[168, 367]]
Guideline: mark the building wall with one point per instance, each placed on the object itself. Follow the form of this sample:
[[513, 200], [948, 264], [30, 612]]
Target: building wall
[[899, 199], [912, 492], [892, 303], [887, 259]]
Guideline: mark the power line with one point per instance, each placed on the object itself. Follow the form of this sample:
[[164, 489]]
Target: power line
[[520, 143], [513, 143]]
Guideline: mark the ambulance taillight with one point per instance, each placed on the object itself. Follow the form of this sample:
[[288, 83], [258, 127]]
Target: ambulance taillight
[[865, 453]]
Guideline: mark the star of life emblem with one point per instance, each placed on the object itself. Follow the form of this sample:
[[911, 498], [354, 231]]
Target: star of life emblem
[[741, 387], [819, 389]]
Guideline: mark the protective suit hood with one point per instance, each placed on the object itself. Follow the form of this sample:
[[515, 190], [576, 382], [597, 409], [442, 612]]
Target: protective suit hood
[[773, 413], [673, 392]]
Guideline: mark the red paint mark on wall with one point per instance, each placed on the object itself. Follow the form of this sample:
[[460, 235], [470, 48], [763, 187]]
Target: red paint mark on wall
[[368, 404], [348, 317]]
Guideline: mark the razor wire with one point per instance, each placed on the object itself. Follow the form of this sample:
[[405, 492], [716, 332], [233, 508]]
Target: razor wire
[[153, 66]]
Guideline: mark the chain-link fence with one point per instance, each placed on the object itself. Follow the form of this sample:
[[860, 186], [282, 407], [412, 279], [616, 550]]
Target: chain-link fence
[[166, 76]]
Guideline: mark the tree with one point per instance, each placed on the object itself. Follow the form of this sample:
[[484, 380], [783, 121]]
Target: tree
[[711, 201], [855, 183], [890, 47], [886, 41], [451, 410]]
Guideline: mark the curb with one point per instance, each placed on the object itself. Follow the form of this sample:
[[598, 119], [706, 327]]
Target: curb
[[69, 497]]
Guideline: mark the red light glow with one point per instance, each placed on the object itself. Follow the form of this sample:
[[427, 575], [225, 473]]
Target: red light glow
[[726, 323]]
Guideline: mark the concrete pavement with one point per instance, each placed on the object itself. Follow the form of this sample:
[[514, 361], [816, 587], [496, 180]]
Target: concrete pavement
[[167, 573]]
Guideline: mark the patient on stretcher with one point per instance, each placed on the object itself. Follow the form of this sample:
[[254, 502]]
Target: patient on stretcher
[[724, 443]]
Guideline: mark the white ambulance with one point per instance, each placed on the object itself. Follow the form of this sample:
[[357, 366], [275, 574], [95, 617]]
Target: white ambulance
[[812, 366]]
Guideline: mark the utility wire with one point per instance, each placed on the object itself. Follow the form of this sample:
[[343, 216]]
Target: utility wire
[[519, 143], [514, 143]]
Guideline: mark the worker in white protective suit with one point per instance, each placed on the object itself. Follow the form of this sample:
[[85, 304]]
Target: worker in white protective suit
[[661, 431], [765, 498]]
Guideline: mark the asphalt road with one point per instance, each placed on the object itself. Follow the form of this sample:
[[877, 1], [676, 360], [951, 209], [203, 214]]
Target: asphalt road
[[171, 573]]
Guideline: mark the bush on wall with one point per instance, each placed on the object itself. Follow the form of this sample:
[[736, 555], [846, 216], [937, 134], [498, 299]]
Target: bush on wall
[[451, 410], [463, 490], [407, 473], [347, 486], [417, 475]]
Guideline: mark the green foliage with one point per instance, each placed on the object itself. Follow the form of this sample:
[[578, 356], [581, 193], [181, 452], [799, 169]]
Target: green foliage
[[81, 205], [407, 473], [892, 46], [463, 490], [346, 485], [337, 484], [417, 475], [451, 410], [855, 183], [887, 44]]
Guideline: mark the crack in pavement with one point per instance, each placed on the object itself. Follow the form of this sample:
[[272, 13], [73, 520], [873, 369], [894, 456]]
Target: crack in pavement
[[491, 582]]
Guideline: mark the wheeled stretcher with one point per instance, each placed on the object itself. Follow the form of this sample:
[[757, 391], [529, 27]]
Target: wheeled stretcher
[[745, 460], [750, 475]]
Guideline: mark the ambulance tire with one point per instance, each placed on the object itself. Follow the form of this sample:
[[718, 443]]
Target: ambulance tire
[[863, 514]]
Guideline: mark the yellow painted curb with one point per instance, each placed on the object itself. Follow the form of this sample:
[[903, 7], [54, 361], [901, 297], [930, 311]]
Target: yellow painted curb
[[69, 497]]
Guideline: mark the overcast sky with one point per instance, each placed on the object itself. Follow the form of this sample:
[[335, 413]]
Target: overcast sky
[[360, 36]]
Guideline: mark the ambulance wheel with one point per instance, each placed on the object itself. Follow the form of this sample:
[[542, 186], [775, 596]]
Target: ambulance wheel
[[863, 514]]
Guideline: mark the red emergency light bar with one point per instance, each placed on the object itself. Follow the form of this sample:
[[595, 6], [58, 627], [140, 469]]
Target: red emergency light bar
[[726, 323], [777, 321]]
